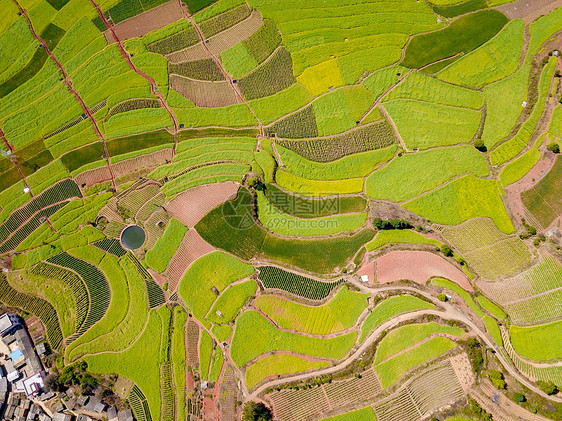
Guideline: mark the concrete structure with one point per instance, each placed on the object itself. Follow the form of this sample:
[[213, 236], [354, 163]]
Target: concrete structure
[[8, 322]]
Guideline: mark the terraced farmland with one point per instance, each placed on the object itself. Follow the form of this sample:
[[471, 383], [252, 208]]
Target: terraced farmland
[[342, 203]]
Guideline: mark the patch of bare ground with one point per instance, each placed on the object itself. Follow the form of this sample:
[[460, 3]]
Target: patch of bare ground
[[150, 160], [146, 22], [35, 328], [204, 93], [368, 269], [220, 42], [191, 248], [192, 205], [528, 10], [417, 266], [463, 369], [388, 210], [123, 168], [501, 407], [91, 177]]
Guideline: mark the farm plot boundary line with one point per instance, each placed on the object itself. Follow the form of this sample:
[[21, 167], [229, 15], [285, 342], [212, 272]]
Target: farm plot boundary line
[[217, 61], [151, 81], [68, 83]]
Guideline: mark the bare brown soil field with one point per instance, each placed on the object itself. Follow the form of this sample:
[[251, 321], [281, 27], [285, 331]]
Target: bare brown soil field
[[463, 370], [528, 10], [191, 248], [143, 161], [220, 42], [91, 177], [146, 22], [204, 93], [417, 266], [368, 269], [192, 205]]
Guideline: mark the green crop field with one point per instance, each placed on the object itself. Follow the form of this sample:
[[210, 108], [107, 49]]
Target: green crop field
[[465, 198], [212, 272], [408, 335], [338, 314], [543, 200], [272, 154], [166, 246], [461, 160], [538, 343], [272, 339], [391, 370], [386, 238], [279, 364], [389, 308]]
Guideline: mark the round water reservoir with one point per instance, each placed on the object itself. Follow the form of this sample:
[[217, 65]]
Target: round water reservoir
[[133, 237]]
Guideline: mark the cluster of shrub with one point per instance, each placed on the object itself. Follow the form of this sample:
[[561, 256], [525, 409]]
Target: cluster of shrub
[[72, 375], [391, 224]]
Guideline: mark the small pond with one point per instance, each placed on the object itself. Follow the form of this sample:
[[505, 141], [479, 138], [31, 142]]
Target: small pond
[[133, 237]]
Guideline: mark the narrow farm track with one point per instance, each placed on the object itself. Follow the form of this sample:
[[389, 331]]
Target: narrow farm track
[[450, 313], [217, 61], [151, 81], [68, 83]]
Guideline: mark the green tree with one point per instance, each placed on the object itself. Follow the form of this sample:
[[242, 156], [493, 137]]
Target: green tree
[[446, 250], [256, 411], [548, 387], [496, 377], [479, 144], [442, 296], [519, 397], [554, 147]]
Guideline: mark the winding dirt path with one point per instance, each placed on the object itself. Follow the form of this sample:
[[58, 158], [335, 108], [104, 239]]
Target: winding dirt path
[[450, 313], [151, 81]]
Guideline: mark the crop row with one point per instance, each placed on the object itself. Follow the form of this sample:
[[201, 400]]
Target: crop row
[[126, 9], [273, 277], [299, 125], [112, 246], [155, 294], [204, 69], [373, 136], [137, 198], [148, 208], [133, 104], [167, 392], [96, 283], [553, 374], [275, 75], [192, 342], [429, 391], [224, 21], [25, 230], [261, 44], [139, 404], [66, 189], [175, 42], [76, 285], [34, 305]]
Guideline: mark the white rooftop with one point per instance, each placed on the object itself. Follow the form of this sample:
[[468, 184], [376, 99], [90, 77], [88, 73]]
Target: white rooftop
[[364, 278], [33, 384]]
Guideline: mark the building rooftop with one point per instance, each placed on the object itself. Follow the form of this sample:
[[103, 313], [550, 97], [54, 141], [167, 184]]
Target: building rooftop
[[7, 322]]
